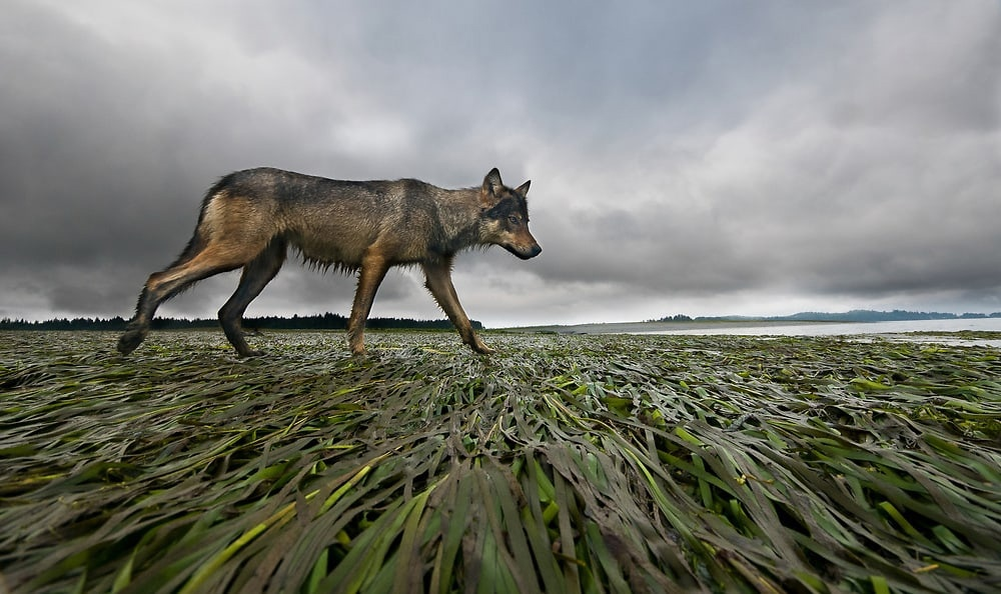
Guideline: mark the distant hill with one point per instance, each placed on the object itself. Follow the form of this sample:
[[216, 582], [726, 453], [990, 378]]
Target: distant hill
[[867, 315], [856, 315]]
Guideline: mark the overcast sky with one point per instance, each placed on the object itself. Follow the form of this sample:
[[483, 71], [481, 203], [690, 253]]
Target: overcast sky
[[711, 157]]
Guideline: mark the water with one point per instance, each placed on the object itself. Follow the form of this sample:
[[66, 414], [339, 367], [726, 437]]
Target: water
[[896, 330]]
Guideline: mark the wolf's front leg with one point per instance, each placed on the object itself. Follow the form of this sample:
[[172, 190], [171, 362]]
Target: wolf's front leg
[[439, 282], [373, 270]]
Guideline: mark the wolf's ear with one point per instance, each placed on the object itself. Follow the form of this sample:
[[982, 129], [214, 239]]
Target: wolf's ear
[[492, 183], [523, 188]]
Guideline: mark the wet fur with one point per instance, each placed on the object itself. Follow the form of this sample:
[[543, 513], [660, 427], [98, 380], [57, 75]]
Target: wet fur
[[251, 218]]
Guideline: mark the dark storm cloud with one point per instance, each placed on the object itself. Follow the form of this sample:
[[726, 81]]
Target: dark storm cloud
[[712, 155]]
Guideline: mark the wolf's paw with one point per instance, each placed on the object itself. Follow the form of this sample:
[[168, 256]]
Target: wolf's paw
[[481, 348], [130, 340]]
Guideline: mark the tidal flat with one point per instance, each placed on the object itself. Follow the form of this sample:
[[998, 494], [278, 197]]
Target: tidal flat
[[562, 463]]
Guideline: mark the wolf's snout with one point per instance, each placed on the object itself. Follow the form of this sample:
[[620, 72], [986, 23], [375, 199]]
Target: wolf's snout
[[526, 254]]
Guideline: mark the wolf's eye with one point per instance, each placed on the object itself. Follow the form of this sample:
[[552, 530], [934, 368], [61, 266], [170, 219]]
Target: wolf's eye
[[513, 220]]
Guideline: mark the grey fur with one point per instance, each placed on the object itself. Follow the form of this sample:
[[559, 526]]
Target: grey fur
[[250, 218]]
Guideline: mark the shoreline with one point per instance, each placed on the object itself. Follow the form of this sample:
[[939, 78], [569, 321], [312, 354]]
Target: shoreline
[[980, 333], [664, 327]]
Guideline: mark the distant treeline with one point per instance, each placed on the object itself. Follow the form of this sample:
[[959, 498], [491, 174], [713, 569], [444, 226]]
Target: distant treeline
[[327, 321], [856, 315]]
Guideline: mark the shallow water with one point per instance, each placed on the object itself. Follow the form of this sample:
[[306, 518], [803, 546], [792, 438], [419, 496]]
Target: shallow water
[[894, 330]]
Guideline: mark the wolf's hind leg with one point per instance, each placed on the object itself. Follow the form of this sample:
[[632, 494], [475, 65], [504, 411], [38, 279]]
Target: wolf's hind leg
[[256, 275], [213, 259]]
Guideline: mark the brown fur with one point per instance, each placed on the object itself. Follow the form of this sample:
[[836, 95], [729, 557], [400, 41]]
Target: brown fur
[[250, 218]]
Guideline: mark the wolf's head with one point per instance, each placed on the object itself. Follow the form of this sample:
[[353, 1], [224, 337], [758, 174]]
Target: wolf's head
[[504, 217]]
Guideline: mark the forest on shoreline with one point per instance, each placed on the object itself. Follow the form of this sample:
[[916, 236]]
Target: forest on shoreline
[[327, 321]]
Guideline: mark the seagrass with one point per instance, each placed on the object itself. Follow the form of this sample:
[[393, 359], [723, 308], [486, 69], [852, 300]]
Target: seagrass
[[560, 464]]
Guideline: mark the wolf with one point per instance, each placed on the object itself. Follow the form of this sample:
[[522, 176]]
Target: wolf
[[250, 219]]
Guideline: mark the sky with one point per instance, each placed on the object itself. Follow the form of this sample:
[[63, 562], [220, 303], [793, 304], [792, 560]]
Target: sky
[[702, 158]]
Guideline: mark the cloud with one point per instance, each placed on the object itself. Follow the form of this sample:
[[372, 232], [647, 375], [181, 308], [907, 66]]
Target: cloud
[[683, 156]]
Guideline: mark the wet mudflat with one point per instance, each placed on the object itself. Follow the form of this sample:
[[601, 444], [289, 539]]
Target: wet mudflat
[[564, 463]]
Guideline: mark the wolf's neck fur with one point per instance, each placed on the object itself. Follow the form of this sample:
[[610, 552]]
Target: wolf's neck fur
[[459, 214]]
